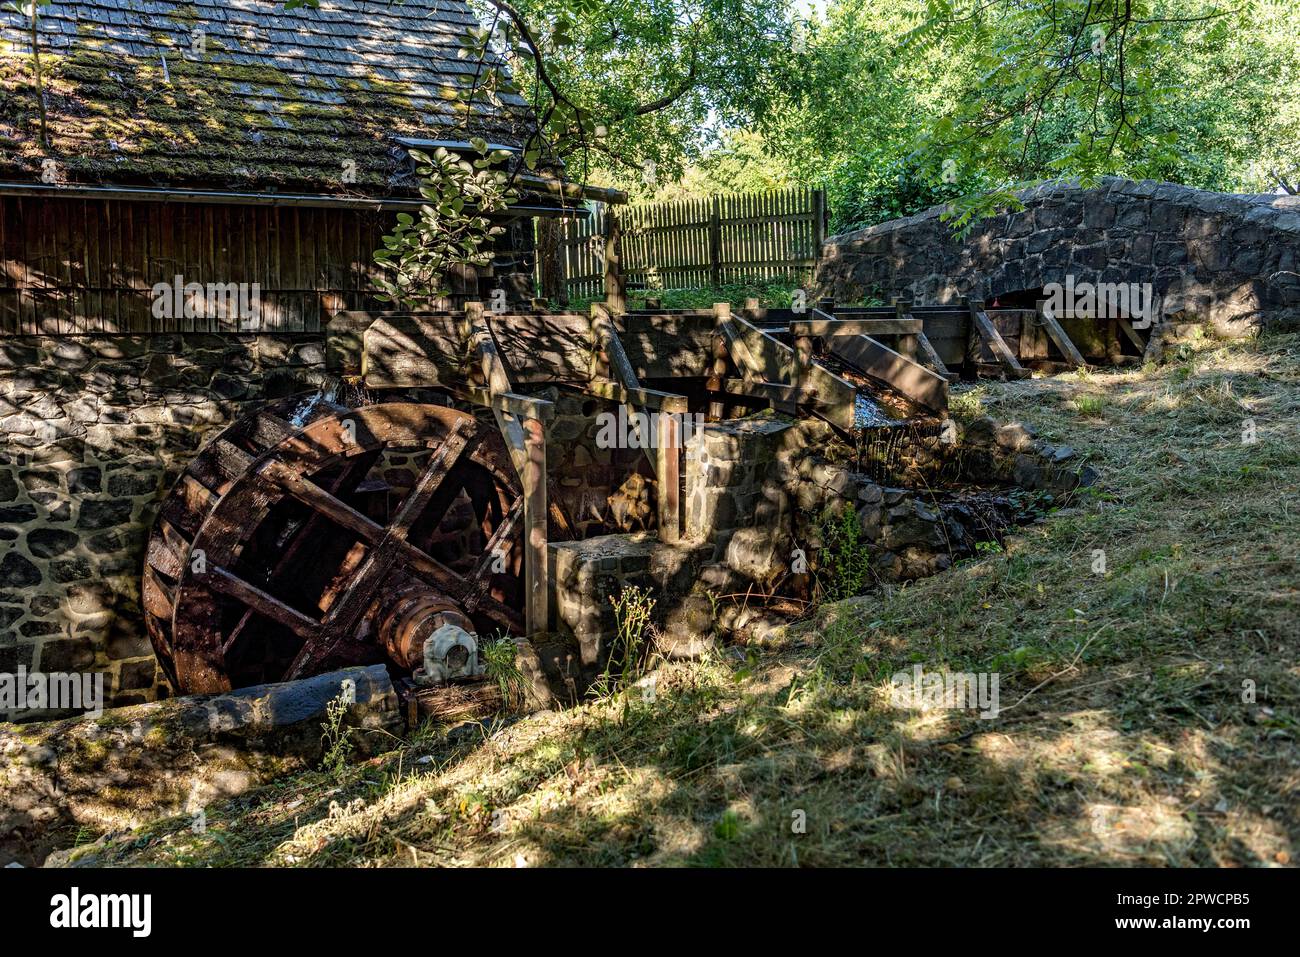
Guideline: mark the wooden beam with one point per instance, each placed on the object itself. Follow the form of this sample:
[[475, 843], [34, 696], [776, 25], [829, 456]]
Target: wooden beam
[[1130, 333], [607, 340], [803, 353], [829, 396], [526, 439], [831, 326], [1068, 349], [526, 406], [615, 281], [485, 348], [778, 393], [668, 465], [643, 398], [897, 371], [228, 583], [750, 367], [929, 357], [1001, 351], [521, 420]]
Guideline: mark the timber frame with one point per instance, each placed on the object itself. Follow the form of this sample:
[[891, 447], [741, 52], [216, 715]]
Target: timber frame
[[726, 360]]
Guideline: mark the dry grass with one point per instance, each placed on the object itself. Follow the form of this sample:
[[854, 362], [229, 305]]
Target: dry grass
[[1126, 739]]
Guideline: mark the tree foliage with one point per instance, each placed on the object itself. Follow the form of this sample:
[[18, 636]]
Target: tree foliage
[[899, 104], [454, 227], [624, 90]]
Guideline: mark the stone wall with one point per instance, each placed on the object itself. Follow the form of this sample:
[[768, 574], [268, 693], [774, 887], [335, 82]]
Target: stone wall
[[93, 430], [760, 493], [1232, 261], [583, 475]]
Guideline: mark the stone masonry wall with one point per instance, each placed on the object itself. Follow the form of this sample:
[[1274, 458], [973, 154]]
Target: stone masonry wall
[[756, 490], [1232, 261], [93, 430]]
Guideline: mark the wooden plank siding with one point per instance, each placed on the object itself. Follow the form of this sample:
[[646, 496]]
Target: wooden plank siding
[[702, 242], [84, 266]]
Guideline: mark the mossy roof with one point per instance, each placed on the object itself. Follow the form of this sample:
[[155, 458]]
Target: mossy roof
[[303, 100]]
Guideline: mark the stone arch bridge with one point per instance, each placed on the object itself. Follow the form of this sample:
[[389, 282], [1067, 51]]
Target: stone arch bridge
[[1229, 261]]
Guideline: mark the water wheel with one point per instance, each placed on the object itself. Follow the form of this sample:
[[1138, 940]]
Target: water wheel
[[309, 536]]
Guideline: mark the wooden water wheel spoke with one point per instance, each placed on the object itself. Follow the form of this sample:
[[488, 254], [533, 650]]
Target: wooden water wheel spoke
[[438, 575], [315, 497], [346, 481], [357, 597], [440, 464], [227, 583], [301, 576], [480, 579]]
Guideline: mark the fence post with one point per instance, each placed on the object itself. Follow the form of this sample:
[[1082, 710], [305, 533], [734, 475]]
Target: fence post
[[715, 243], [615, 285], [819, 224]]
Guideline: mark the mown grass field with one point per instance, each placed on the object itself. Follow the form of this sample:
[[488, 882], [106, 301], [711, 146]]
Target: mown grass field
[[1126, 735]]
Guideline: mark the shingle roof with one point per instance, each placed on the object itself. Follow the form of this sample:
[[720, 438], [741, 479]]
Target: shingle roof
[[274, 100]]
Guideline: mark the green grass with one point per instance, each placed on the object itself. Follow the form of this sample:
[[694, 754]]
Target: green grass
[[1124, 738]]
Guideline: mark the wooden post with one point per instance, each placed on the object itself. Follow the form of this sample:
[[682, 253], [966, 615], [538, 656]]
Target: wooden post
[[536, 610], [615, 283], [906, 343], [721, 315], [715, 243], [550, 260], [819, 225], [971, 358], [803, 356], [668, 475], [522, 420]]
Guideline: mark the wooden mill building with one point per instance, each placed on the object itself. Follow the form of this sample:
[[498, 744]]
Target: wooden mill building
[[226, 142]]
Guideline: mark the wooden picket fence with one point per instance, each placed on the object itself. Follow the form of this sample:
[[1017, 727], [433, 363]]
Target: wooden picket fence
[[701, 242]]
